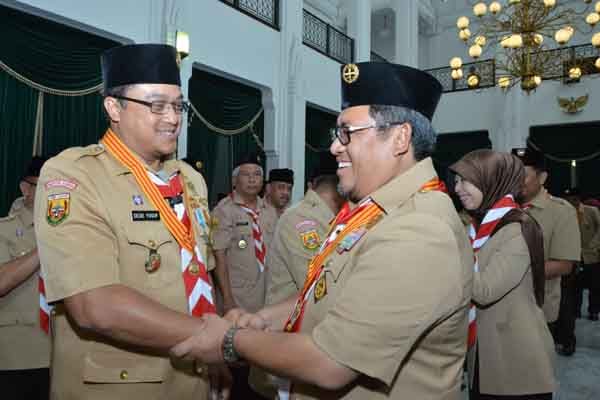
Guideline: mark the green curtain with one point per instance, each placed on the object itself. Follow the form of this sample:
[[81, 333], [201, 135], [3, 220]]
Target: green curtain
[[318, 125], [72, 121], [570, 142], [227, 105], [52, 56], [18, 105]]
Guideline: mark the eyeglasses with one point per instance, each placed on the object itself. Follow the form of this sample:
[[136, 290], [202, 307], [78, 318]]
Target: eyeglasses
[[342, 133], [160, 106]]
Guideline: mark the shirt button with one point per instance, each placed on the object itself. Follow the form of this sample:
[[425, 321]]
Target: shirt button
[[124, 375]]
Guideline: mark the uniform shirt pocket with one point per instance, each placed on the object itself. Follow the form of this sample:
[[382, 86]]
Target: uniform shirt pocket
[[117, 367]]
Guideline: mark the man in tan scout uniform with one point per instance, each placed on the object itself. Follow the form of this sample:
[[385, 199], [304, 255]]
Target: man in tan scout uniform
[[278, 190], [588, 218], [383, 312], [122, 234], [299, 234], [24, 345], [562, 244], [241, 257]]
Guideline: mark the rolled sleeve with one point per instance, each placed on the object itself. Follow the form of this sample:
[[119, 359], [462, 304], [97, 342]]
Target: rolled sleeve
[[80, 253], [385, 307]]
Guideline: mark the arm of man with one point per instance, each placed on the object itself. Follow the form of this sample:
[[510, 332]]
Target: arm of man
[[222, 278], [126, 315], [222, 234], [13, 273], [557, 268], [80, 259], [565, 245]]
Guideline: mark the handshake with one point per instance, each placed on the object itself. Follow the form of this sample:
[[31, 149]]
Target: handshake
[[207, 344]]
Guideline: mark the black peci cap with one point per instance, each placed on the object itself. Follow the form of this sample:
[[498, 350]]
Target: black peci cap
[[530, 157], [34, 167], [281, 175], [140, 63], [376, 83]]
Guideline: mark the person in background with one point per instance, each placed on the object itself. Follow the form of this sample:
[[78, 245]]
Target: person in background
[[242, 237], [562, 240], [299, 235], [589, 225], [24, 340], [508, 285], [278, 190]]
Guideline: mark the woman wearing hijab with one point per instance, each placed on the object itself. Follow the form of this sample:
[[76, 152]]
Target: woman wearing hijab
[[511, 351]]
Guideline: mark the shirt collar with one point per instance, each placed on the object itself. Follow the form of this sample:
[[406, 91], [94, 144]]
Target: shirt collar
[[541, 199], [260, 203], [315, 200], [404, 186]]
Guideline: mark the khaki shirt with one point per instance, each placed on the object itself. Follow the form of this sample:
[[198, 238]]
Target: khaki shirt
[[233, 234], [23, 343], [97, 243], [395, 304], [589, 223], [558, 220], [298, 236], [516, 350]]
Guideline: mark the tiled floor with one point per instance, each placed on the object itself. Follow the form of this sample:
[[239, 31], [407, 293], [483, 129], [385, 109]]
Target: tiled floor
[[579, 375]]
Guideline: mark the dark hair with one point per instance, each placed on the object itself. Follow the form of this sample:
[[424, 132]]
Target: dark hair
[[423, 134], [116, 91], [325, 181]]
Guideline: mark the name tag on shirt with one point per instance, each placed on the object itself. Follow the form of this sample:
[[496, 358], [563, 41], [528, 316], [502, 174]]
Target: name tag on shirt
[[145, 216], [245, 223]]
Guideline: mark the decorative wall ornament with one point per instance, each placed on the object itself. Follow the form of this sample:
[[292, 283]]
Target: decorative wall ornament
[[572, 105]]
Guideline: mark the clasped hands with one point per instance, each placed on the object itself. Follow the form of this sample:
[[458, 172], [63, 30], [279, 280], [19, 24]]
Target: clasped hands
[[207, 344]]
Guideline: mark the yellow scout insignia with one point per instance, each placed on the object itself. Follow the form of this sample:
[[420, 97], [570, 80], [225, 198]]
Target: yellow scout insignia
[[350, 73], [320, 288], [58, 208], [242, 244], [194, 268], [311, 239]]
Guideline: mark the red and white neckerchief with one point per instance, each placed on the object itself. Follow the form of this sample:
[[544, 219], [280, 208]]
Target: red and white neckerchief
[[198, 286], [478, 239], [45, 309], [260, 250]]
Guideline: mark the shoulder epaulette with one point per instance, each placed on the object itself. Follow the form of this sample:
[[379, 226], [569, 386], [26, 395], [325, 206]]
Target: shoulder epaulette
[[75, 153]]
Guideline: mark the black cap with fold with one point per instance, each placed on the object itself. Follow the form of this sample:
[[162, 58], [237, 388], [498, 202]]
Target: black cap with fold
[[377, 83], [140, 63], [249, 158], [530, 157], [281, 175]]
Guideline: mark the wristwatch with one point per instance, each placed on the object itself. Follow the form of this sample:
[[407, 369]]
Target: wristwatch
[[229, 353]]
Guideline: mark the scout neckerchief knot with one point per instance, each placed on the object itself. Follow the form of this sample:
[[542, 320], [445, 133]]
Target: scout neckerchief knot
[[348, 227], [198, 288], [260, 249], [478, 239]]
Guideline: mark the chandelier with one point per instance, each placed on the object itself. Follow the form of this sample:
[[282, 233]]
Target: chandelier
[[518, 33]]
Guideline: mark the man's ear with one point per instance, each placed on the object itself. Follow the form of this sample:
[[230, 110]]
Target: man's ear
[[402, 137], [113, 108], [542, 176]]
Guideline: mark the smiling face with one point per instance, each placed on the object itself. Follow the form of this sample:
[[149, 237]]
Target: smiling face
[[470, 196], [151, 136], [249, 180], [279, 193], [370, 159]]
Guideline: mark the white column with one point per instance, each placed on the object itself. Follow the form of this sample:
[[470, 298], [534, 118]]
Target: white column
[[185, 70], [513, 126], [359, 28], [406, 32], [284, 107]]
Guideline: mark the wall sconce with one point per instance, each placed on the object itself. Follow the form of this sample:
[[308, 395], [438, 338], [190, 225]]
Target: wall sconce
[[182, 43]]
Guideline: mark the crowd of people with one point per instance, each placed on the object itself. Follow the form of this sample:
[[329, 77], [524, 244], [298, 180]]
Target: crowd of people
[[118, 282]]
